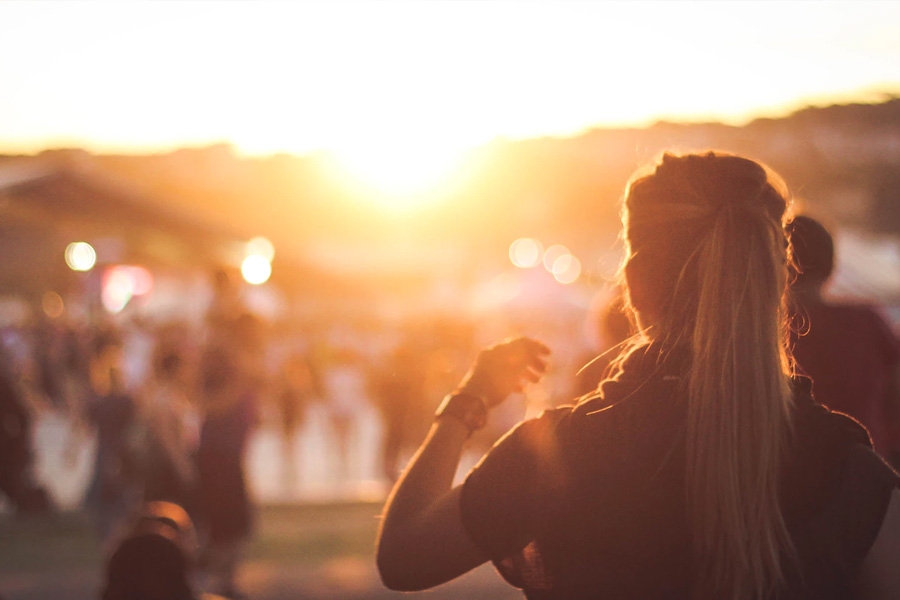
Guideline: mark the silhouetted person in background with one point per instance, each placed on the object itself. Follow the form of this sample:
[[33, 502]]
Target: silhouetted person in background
[[231, 380], [848, 351], [294, 391], [171, 473], [399, 393], [111, 410], [62, 354], [345, 386], [226, 305], [16, 466], [155, 560]]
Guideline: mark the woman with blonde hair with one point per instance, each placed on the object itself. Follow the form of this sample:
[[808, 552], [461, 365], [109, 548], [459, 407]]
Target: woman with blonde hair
[[702, 469]]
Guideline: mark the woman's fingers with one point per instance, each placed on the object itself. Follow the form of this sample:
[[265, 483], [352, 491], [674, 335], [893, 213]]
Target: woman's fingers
[[526, 350], [525, 358], [529, 345], [538, 364], [533, 376], [507, 368]]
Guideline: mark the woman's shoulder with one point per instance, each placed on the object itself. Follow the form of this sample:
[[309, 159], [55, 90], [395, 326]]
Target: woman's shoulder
[[534, 431], [816, 424], [629, 401], [567, 419], [832, 470]]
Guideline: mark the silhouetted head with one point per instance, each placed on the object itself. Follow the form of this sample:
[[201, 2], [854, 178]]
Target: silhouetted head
[[221, 281], [153, 562], [701, 217], [813, 251], [116, 380], [168, 365], [147, 567]]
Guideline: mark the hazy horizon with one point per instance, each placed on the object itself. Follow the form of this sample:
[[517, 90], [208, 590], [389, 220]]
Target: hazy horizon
[[863, 97]]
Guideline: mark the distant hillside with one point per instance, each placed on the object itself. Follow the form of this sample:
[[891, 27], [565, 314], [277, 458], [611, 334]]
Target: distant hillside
[[842, 163]]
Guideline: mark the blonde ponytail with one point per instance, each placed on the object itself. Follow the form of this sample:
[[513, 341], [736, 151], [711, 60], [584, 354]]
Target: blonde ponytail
[[712, 275]]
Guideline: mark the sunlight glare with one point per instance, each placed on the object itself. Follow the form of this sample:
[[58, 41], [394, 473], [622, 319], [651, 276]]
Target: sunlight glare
[[311, 78], [400, 176]]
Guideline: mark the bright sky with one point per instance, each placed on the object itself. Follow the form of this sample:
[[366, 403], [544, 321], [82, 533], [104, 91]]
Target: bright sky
[[418, 79]]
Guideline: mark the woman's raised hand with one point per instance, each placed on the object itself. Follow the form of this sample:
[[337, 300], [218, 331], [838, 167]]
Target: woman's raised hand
[[505, 368]]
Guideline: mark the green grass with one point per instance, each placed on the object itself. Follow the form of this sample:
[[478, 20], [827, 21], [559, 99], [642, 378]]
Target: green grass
[[31, 545], [312, 534], [307, 534], [314, 551]]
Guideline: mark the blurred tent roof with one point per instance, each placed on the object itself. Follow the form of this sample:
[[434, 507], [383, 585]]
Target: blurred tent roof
[[63, 196], [47, 202]]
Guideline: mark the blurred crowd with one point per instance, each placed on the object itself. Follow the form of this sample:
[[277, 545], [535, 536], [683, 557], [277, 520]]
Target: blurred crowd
[[171, 406]]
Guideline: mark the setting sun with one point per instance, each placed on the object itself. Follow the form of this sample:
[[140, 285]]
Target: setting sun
[[399, 175]]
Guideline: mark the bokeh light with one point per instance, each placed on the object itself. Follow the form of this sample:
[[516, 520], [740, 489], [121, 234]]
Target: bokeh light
[[141, 279], [567, 269], [52, 304], [552, 253], [525, 252], [256, 269], [121, 283], [260, 246], [80, 256], [117, 290]]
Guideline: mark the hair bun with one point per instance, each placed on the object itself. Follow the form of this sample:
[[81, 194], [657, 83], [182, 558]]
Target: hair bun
[[718, 181]]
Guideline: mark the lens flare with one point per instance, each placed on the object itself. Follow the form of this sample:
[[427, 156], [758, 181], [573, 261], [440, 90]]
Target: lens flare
[[261, 247], [80, 256], [53, 306], [256, 269], [117, 290], [121, 283], [525, 252], [566, 269], [552, 253]]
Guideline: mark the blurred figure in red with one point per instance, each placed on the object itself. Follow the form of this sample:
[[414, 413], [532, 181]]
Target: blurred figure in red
[[847, 350], [231, 381]]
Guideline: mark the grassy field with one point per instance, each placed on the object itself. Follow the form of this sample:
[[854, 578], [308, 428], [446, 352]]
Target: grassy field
[[299, 551]]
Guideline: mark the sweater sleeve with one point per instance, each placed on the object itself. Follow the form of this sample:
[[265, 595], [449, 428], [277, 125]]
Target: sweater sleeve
[[500, 495]]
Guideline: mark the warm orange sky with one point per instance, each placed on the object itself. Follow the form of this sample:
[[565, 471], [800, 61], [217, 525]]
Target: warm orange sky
[[418, 80]]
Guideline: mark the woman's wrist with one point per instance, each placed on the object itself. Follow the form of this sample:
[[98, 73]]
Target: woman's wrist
[[475, 385], [464, 407]]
